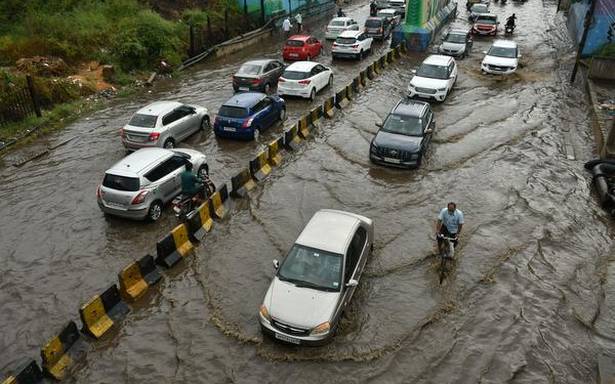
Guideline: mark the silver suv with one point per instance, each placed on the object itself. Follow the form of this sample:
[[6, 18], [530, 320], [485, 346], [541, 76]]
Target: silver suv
[[140, 184], [163, 124]]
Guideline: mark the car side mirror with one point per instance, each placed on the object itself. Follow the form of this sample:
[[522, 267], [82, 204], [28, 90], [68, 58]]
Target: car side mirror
[[276, 264], [352, 283], [192, 111], [379, 124], [413, 71]]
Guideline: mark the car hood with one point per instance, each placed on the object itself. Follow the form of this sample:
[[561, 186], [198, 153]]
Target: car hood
[[395, 141], [453, 46], [500, 61], [300, 307], [426, 82]]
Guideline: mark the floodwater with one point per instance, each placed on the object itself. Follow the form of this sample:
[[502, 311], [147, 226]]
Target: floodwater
[[530, 298]]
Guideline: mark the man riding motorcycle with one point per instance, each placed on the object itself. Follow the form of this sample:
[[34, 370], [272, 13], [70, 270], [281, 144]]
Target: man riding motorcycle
[[340, 13], [191, 183], [450, 222], [510, 22]]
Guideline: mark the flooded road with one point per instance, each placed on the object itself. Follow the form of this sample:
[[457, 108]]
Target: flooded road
[[530, 298]]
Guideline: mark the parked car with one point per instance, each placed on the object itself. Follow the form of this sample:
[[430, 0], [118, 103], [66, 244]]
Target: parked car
[[317, 279], [378, 27], [353, 44], [339, 25], [305, 79], [399, 6], [258, 75], [391, 15], [301, 47], [435, 78], [246, 114], [485, 24], [138, 186], [163, 124], [470, 3], [502, 58], [456, 43], [476, 10], [404, 136]]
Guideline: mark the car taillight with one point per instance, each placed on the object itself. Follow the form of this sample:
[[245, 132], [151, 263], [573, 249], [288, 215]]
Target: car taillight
[[122, 133], [256, 81], [335, 44], [355, 46], [154, 136], [247, 122], [139, 198], [304, 82]]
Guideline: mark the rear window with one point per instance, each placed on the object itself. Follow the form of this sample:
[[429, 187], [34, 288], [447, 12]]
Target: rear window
[[294, 43], [145, 121], [373, 23], [295, 75], [229, 111], [346, 40], [249, 69], [121, 183]]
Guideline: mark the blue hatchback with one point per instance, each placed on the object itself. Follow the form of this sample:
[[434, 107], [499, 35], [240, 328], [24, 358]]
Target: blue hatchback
[[245, 113]]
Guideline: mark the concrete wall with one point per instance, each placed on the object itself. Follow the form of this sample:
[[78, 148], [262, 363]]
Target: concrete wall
[[602, 68], [603, 21]]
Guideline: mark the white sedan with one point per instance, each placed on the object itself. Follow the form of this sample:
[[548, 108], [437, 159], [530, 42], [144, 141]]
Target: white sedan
[[304, 79]]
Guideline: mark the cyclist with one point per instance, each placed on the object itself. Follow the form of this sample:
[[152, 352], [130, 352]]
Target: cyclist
[[450, 222], [191, 184]]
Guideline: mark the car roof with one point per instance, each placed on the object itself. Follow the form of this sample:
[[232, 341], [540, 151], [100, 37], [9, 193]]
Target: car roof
[[159, 108], [260, 62], [459, 31], [302, 66], [329, 230], [504, 43], [387, 10], [410, 107], [245, 99], [350, 33], [299, 37], [136, 162], [345, 18], [437, 60]]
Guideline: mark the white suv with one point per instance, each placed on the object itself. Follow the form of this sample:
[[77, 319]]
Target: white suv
[[435, 78], [339, 25], [502, 58], [353, 44]]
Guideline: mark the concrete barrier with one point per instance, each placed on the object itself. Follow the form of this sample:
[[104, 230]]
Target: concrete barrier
[[315, 116], [390, 56], [173, 247], [383, 61], [350, 92], [376, 67], [303, 128], [291, 138], [100, 313], [397, 52], [328, 107], [137, 277], [369, 71], [363, 77], [26, 372], [217, 200], [602, 68], [60, 353], [242, 183], [275, 158], [402, 47], [341, 98], [356, 84], [259, 166], [200, 221]]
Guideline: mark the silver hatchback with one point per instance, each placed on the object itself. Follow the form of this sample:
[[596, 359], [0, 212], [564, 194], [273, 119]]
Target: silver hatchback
[[163, 124], [317, 279], [138, 186]]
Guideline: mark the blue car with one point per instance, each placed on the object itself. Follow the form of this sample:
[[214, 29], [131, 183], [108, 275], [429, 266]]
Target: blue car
[[245, 113]]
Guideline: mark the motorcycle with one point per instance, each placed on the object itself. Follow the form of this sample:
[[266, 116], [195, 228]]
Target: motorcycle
[[184, 204], [508, 29]]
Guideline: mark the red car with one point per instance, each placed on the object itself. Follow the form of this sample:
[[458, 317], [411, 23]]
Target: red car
[[301, 47], [485, 24]]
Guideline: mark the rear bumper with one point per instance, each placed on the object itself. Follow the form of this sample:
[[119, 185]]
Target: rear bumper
[[135, 145], [300, 92], [332, 35], [346, 54], [133, 214], [241, 133], [247, 88], [289, 57]]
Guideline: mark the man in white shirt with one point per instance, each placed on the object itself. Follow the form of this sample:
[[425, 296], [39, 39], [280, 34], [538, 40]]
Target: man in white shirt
[[299, 20], [286, 26], [450, 222]]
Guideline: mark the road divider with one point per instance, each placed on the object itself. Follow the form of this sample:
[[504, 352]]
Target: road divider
[[173, 247], [102, 311], [382, 61], [363, 77], [356, 84], [275, 157], [341, 98], [350, 91], [375, 68], [292, 140], [137, 277], [217, 200], [60, 353], [259, 166], [242, 183], [303, 127], [27, 372], [200, 221], [315, 116], [328, 107]]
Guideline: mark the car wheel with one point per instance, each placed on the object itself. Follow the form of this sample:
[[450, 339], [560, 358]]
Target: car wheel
[[313, 94], [267, 88], [169, 144], [203, 171], [330, 83], [255, 133], [361, 55], [155, 211], [282, 114], [205, 123]]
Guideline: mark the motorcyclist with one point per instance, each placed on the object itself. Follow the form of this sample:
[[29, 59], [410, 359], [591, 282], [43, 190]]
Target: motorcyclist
[[510, 22], [450, 222], [340, 12], [192, 185], [373, 9]]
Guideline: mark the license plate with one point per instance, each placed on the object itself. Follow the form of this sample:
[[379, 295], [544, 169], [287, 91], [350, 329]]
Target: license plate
[[287, 339], [244, 88], [294, 55], [229, 129], [390, 160]]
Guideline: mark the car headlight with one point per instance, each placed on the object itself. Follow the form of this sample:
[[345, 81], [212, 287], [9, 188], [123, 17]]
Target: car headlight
[[321, 328], [264, 312], [373, 148], [441, 89]]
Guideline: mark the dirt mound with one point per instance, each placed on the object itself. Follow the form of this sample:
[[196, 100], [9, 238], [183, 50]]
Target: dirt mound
[[43, 66]]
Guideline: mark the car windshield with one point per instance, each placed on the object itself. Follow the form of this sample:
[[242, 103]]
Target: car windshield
[[249, 69], [479, 8], [385, 14], [503, 52], [121, 183], [295, 75], [346, 40], [433, 71], [145, 121], [455, 38], [294, 43], [312, 268], [373, 23], [337, 23], [486, 20], [403, 125], [232, 111]]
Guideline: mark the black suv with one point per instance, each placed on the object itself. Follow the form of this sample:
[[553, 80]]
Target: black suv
[[404, 135]]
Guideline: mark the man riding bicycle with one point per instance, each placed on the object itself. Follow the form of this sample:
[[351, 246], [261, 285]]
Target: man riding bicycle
[[191, 184], [450, 222]]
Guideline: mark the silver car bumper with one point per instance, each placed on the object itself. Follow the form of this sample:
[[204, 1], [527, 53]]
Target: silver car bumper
[[134, 214], [277, 334]]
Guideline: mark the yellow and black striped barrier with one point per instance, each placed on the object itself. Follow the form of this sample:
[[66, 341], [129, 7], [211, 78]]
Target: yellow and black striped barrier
[[383, 61], [275, 157], [302, 127], [217, 200], [341, 98], [328, 107], [363, 77], [291, 138], [350, 91], [61, 352], [100, 313], [369, 71], [200, 221], [136, 278], [242, 183], [315, 116], [259, 166], [173, 247], [376, 67], [27, 372]]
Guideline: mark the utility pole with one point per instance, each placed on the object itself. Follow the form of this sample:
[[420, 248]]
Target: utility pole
[[586, 24]]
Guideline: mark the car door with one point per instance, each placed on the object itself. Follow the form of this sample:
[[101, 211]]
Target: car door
[[321, 76], [171, 124], [452, 70], [279, 69], [188, 120], [355, 259], [268, 111], [428, 128], [171, 184]]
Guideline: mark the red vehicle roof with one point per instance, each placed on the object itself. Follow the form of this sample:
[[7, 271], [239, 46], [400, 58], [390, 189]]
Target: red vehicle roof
[[299, 37]]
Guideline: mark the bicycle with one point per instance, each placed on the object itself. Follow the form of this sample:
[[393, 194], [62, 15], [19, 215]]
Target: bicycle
[[446, 248]]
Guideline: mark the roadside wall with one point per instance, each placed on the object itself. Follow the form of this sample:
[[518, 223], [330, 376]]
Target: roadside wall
[[602, 22]]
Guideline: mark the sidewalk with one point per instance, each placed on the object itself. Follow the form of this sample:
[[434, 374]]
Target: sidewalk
[[602, 97]]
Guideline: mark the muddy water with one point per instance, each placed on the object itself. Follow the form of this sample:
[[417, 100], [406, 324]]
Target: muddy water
[[529, 299]]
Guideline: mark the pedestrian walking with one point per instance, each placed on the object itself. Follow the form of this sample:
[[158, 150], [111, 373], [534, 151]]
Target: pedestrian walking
[[286, 26], [299, 20]]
